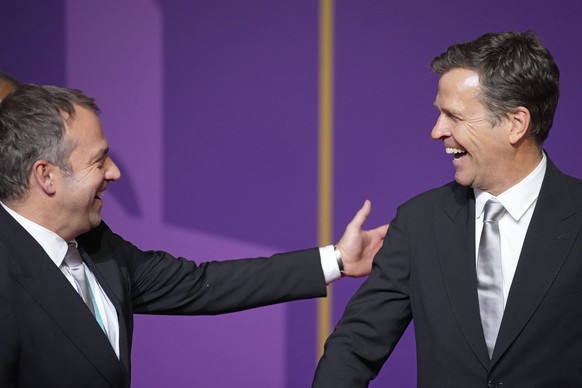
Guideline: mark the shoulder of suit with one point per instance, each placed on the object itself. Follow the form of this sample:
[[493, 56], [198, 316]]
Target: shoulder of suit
[[556, 176], [439, 195], [94, 236]]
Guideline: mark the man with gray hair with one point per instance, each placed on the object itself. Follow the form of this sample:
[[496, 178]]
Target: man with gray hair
[[69, 286], [489, 266]]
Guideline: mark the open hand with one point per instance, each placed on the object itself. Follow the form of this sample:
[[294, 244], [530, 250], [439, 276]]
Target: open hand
[[357, 246]]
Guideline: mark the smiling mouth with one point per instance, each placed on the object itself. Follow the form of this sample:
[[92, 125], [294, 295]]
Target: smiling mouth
[[100, 193], [457, 152]]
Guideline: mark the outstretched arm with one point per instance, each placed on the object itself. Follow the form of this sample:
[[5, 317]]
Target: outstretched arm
[[357, 246]]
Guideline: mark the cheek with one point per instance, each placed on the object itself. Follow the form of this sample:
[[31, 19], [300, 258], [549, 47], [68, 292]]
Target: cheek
[[93, 183], [462, 133], [474, 143]]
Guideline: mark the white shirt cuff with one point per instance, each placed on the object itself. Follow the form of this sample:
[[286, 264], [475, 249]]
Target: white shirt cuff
[[331, 270]]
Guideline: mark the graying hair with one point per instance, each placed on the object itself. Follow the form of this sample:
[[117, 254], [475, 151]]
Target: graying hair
[[33, 122]]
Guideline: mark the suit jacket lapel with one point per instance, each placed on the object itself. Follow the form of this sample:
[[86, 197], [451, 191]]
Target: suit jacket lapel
[[455, 235], [552, 230], [35, 271]]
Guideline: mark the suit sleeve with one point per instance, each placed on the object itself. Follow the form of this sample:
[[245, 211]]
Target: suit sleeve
[[162, 284], [9, 348], [373, 321]]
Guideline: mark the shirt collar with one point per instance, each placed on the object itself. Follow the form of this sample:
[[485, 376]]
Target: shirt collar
[[54, 246], [517, 199]]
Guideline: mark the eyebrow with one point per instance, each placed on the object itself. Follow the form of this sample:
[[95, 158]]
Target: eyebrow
[[446, 111], [101, 155]]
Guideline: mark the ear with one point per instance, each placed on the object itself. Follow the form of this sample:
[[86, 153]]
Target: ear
[[43, 174], [520, 120]]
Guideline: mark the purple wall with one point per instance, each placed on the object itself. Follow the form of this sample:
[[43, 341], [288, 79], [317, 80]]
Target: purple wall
[[26, 54], [211, 110]]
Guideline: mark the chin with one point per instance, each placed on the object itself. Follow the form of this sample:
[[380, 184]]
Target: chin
[[95, 222], [465, 183], [462, 181]]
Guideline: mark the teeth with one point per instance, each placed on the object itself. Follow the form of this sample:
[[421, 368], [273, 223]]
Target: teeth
[[452, 150]]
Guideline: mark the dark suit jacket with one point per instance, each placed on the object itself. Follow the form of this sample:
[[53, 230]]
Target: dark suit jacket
[[48, 338], [426, 272]]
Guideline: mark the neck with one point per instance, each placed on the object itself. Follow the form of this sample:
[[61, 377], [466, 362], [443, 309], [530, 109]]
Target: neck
[[39, 214], [519, 167]]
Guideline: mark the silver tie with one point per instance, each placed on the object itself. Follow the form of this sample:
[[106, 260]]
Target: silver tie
[[489, 278], [74, 261]]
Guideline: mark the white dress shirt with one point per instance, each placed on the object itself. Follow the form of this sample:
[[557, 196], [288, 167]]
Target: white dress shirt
[[56, 248], [519, 201]]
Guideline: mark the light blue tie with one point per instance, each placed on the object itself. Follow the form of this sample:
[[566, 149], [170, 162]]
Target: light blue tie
[[489, 275], [74, 261]]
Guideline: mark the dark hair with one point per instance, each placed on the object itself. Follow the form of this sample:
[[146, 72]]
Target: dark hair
[[33, 122], [514, 70]]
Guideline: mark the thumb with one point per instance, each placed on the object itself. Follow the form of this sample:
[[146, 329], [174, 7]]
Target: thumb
[[362, 214]]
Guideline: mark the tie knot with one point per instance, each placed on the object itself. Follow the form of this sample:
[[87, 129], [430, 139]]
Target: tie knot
[[493, 211], [73, 257]]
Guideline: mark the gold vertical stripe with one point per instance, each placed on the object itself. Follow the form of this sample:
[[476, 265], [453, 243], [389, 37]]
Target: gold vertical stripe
[[325, 197]]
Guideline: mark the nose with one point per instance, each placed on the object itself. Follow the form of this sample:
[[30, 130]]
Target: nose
[[440, 131], [113, 172]]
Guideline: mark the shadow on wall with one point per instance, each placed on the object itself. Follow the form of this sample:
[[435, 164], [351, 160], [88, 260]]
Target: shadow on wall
[[125, 191]]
